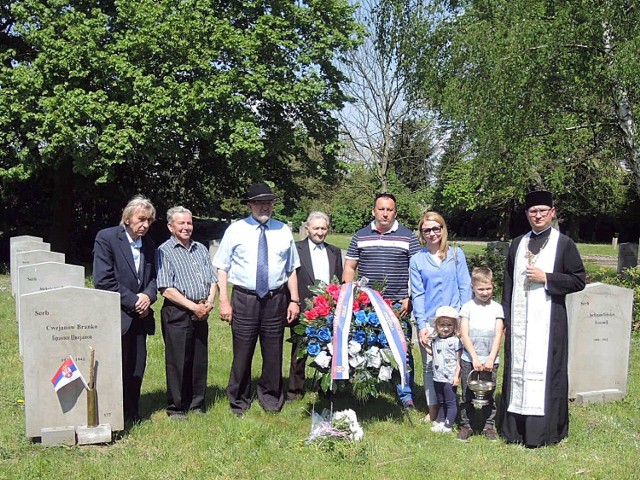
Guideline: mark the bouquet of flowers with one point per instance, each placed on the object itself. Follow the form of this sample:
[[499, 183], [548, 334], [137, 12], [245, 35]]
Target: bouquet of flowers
[[342, 425], [371, 362]]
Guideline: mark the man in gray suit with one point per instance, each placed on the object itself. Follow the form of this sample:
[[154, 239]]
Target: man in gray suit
[[318, 261]]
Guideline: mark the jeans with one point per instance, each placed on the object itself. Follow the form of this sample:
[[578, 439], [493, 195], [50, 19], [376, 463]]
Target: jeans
[[405, 394]]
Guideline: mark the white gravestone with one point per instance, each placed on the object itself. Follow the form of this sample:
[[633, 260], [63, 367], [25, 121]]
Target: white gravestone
[[24, 238], [67, 321], [39, 277], [19, 247], [599, 342], [20, 259]]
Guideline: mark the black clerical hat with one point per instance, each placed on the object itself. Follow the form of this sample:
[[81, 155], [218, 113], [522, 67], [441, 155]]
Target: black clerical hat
[[538, 197]]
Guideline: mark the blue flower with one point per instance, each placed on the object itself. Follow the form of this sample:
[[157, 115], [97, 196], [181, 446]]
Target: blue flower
[[313, 349], [324, 335], [373, 320], [311, 332], [358, 336], [372, 338], [382, 338], [330, 320], [361, 318]]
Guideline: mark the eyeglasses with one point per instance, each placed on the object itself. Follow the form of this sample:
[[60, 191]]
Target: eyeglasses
[[534, 212], [435, 230]]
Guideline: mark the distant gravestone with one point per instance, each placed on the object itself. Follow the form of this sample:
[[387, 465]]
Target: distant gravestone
[[599, 342], [627, 256], [500, 247], [39, 277], [213, 247], [20, 247], [24, 238], [67, 321]]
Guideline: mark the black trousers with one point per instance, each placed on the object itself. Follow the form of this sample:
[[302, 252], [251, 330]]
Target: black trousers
[[186, 358], [134, 362], [265, 319]]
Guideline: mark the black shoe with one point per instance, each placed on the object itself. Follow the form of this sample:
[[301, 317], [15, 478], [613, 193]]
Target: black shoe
[[408, 405], [178, 416]]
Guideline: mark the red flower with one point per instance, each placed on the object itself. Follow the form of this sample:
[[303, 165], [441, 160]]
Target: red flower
[[311, 314], [364, 299], [389, 302], [356, 306], [323, 310], [334, 291], [321, 301]]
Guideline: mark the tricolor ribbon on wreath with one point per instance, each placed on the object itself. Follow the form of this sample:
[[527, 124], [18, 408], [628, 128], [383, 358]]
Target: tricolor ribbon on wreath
[[342, 322]]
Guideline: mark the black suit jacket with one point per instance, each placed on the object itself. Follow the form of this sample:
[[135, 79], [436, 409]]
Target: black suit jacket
[[305, 270], [114, 270]]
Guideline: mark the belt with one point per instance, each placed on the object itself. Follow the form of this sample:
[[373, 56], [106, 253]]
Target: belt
[[269, 294]]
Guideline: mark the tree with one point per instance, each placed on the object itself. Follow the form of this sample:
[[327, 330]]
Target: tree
[[185, 100], [543, 92], [376, 121]]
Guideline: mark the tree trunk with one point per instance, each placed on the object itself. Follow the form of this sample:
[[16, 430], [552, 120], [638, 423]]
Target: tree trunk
[[63, 215]]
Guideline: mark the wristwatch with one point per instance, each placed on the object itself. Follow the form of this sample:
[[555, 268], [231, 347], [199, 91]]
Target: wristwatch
[[297, 302]]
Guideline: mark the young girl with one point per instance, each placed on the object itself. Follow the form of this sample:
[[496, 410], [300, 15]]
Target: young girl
[[446, 349]]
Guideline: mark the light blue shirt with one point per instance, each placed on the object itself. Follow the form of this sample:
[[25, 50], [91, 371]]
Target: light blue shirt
[[435, 285], [238, 253], [135, 250]]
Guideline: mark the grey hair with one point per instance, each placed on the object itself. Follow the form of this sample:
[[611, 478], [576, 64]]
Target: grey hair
[[138, 202], [314, 215], [179, 209]]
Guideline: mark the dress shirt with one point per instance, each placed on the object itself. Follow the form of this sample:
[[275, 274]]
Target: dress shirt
[[435, 285], [238, 253], [136, 246], [319, 261], [188, 270]]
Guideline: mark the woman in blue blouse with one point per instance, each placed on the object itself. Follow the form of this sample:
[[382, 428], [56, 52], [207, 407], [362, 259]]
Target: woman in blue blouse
[[439, 277]]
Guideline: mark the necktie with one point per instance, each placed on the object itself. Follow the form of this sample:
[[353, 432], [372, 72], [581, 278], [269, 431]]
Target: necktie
[[262, 273]]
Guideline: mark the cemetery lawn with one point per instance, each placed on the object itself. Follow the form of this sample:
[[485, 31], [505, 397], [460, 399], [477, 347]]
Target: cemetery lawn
[[604, 440]]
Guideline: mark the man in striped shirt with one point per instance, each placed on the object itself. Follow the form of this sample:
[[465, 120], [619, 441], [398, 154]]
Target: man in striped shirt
[[187, 281], [381, 252]]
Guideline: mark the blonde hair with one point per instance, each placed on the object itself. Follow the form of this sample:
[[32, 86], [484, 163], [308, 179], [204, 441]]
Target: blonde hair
[[436, 217], [482, 274]]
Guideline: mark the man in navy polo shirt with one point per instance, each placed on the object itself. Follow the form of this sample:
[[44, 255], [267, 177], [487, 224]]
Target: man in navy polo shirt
[[381, 252]]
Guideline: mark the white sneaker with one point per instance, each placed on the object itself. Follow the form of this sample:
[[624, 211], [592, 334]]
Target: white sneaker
[[438, 426], [445, 429]]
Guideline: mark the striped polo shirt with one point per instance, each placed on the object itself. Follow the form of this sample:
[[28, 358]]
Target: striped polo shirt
[[189, 271], [383, 256]]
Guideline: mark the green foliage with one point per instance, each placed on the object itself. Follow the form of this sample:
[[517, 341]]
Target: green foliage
[[181, 100], [533, 96], [493, 259]]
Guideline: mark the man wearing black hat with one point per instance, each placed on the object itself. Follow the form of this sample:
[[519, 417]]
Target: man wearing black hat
[[542, 267], [258, 257]]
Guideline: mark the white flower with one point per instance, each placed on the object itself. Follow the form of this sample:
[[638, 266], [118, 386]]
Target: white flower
[[349, 418], [354, 347], [356, 360], [374, 359], [330, 348], [385, 373], [323, 359]]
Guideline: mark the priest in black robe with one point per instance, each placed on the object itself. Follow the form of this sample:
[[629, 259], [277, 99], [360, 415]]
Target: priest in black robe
[[542, 267]]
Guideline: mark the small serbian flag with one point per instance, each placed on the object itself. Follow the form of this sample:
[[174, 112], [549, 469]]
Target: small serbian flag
[[67, 373]]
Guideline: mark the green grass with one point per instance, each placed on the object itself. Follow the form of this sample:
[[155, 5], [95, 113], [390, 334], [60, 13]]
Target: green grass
[[604, 441]]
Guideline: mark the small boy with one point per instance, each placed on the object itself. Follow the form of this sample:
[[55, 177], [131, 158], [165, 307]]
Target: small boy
[[481, 329]]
